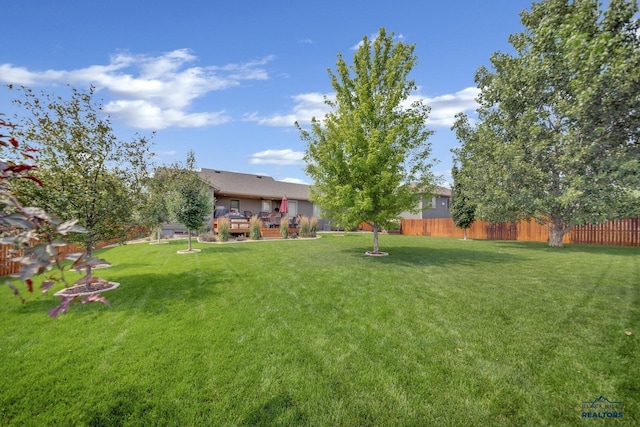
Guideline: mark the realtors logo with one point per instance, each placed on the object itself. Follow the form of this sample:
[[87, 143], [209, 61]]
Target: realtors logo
[[602, 407]]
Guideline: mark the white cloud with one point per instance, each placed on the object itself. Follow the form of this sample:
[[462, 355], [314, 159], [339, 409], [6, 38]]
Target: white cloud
[[446, 180], [150, 92], [146, 115], [166, 153], [373, 37], [445, 107], [309, 105], [306, 106], [277, 157], [294, 181], [21, 76]]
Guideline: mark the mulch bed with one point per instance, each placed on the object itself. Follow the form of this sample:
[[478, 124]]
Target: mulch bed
[[87, 289]]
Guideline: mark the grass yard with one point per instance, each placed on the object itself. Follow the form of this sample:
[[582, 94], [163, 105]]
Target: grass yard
[[313, 332]]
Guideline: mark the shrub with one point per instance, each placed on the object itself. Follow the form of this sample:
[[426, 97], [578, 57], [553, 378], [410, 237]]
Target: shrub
[[393, 225], [304, 227], [223, 229], [208, 236], [284, 227], [313, 226], [255, 227]]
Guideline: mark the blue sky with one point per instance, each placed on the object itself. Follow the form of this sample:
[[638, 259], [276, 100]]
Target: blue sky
[[229, 78]]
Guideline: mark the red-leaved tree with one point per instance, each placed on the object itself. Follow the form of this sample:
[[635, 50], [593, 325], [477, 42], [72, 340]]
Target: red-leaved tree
[[33, 234]]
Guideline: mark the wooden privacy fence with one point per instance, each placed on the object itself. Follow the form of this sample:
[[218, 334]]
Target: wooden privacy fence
[[624, 232], [7, 252], [8, 267]]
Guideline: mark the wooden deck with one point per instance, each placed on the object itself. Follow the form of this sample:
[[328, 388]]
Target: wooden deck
[[242, 227]]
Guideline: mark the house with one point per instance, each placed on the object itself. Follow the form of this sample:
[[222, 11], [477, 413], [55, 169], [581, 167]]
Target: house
[[249, 194], [435, 206], [246, 193]]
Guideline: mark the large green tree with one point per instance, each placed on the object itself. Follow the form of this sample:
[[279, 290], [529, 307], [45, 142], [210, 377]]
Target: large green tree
[[369, 157], [558, 127], [88, 173], [191, 201]]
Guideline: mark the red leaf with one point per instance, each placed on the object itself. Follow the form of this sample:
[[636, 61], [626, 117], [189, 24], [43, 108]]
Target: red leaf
[[62, 308], [29, 283], [96, 298], [34, 179], [14, 142], [46, 285], [20, 167]]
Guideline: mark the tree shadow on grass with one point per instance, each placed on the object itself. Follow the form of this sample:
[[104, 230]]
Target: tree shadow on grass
[[185, 285], [120, 408], [147, 292], [279, 410], [155, 292], [626, 251], [429, 256], [569, 248]]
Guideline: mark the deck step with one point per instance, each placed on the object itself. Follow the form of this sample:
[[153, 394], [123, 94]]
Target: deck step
[[274, 233]]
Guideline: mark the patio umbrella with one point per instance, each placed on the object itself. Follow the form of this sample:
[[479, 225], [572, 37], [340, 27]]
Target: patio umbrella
[[284, 206]]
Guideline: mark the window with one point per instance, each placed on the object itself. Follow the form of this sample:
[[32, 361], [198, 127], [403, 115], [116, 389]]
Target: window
[[266, 205], [293, 207], [234, 205]]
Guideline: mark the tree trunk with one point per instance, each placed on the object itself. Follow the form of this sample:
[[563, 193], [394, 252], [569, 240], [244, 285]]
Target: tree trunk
[[376, 248], [464, 234], [189, 236], [557, 230], [159, 233], [88, 254]]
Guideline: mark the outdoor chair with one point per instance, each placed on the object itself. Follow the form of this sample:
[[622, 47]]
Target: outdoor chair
[[247, 214], [275, 221]]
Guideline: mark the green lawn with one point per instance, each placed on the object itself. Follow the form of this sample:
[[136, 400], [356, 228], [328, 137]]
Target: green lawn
[[313, 332]]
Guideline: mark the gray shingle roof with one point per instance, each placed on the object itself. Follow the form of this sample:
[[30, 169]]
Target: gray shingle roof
[[248, 185]]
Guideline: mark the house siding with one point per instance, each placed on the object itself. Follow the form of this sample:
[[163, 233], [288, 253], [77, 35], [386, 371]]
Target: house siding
[[254, 205], [441, 209], [432, 207]]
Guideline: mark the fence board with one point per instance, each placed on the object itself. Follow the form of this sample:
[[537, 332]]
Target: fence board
[[7, 252], [624, 232]]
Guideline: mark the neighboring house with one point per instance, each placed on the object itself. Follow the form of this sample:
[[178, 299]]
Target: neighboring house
[[435, 206]]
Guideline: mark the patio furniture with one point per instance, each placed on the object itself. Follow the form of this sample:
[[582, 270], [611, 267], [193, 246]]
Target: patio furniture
[[262, 216]]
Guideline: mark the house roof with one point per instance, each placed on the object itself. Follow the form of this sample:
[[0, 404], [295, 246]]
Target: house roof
[[442, 191], [437, 191], [227, 183]]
